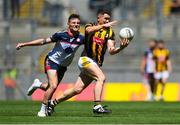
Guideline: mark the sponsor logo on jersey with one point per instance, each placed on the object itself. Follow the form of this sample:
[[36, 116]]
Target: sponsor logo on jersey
[[78, 40], [98, 40]]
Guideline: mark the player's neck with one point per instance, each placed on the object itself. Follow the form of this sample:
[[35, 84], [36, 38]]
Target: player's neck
[[98, 23], [71, 33]]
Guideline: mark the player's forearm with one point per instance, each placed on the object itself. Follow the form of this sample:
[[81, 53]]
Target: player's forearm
[[113, 51], [143, 64], [93, 28], [34, 43], [37, 42], [169, 66]]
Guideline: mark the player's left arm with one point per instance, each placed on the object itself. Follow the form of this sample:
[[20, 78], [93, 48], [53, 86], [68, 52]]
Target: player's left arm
[[143, 63], [169, 64], [37, 42], [114, 50]]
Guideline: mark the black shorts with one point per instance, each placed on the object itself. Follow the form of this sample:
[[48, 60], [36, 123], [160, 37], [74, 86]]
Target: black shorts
[[50, 65]]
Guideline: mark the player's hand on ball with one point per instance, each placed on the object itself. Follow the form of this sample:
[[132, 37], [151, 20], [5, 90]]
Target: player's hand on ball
[[124, 42], [19, 46]]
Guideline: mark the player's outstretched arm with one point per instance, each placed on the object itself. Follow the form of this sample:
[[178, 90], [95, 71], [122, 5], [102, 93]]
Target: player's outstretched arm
[[37, 42], [169, 65], [98, 27], [113, 50]]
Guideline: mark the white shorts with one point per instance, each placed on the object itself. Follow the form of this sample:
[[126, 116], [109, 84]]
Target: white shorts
[[162, 75], [84, 62]]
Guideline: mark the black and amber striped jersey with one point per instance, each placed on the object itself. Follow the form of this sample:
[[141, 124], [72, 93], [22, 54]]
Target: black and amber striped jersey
[[96, 43], [161, 56]]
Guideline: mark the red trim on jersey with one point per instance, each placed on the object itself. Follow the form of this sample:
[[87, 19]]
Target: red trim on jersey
[[48, 67]]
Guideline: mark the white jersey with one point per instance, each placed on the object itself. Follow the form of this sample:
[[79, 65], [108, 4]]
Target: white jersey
[[65, 47], [150, 64]]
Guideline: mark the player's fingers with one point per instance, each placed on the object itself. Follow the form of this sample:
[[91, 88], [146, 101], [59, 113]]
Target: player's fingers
[[124, 42], [127, 41], [18, 47]]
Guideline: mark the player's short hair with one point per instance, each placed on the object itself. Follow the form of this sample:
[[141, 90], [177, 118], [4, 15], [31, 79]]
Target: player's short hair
[[72, 16], [102, 12], [161, 41], [154, 40]]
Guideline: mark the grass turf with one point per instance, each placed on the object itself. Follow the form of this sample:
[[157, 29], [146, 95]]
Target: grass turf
[[22, 112]]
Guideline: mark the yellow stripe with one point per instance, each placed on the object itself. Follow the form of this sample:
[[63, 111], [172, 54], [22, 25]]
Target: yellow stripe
[[131, 91], [101, 46], [100, 53], [84, 60], [138, 92], [103, 34], [94, 45], [94, 49], [110, 33]]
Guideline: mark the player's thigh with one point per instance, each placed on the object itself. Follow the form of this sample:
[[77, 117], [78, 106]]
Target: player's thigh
[[51, 69], [52, 78], [61, 71], [83, 81], [158, 75], [95, 72], [165, 76], [89, 67], [151, 78]]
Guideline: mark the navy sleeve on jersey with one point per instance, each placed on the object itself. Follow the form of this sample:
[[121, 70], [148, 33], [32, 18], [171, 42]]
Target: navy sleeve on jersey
[[82, 39], [56, 37], [145, 54]]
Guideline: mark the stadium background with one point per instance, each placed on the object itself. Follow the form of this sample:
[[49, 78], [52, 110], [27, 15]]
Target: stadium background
[[148, 18]]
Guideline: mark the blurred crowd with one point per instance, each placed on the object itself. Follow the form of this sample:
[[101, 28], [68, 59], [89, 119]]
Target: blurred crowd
[[57, 10]]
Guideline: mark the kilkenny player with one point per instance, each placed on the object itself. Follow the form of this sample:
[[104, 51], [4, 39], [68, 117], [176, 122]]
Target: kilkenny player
[[99, 37], [163, 65]]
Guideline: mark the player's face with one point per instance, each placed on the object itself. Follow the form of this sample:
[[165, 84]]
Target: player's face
[[161, 45], [152, 44], [102, 19], [74, 25]]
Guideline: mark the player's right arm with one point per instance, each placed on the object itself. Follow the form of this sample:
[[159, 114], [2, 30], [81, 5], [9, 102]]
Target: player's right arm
[[37, 42], [169, 64], [92, 28], [143, 63]]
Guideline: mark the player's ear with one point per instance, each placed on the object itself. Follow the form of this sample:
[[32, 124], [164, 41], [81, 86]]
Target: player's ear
[[98, 17]]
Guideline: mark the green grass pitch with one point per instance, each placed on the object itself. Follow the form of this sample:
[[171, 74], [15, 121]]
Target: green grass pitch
[[22, 112]]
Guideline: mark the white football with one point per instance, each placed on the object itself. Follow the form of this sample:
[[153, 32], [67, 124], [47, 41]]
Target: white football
[[126, 33]]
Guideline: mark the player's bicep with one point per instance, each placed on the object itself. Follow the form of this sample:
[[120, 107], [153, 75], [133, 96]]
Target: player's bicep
[[88, 27], [47, 40]]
